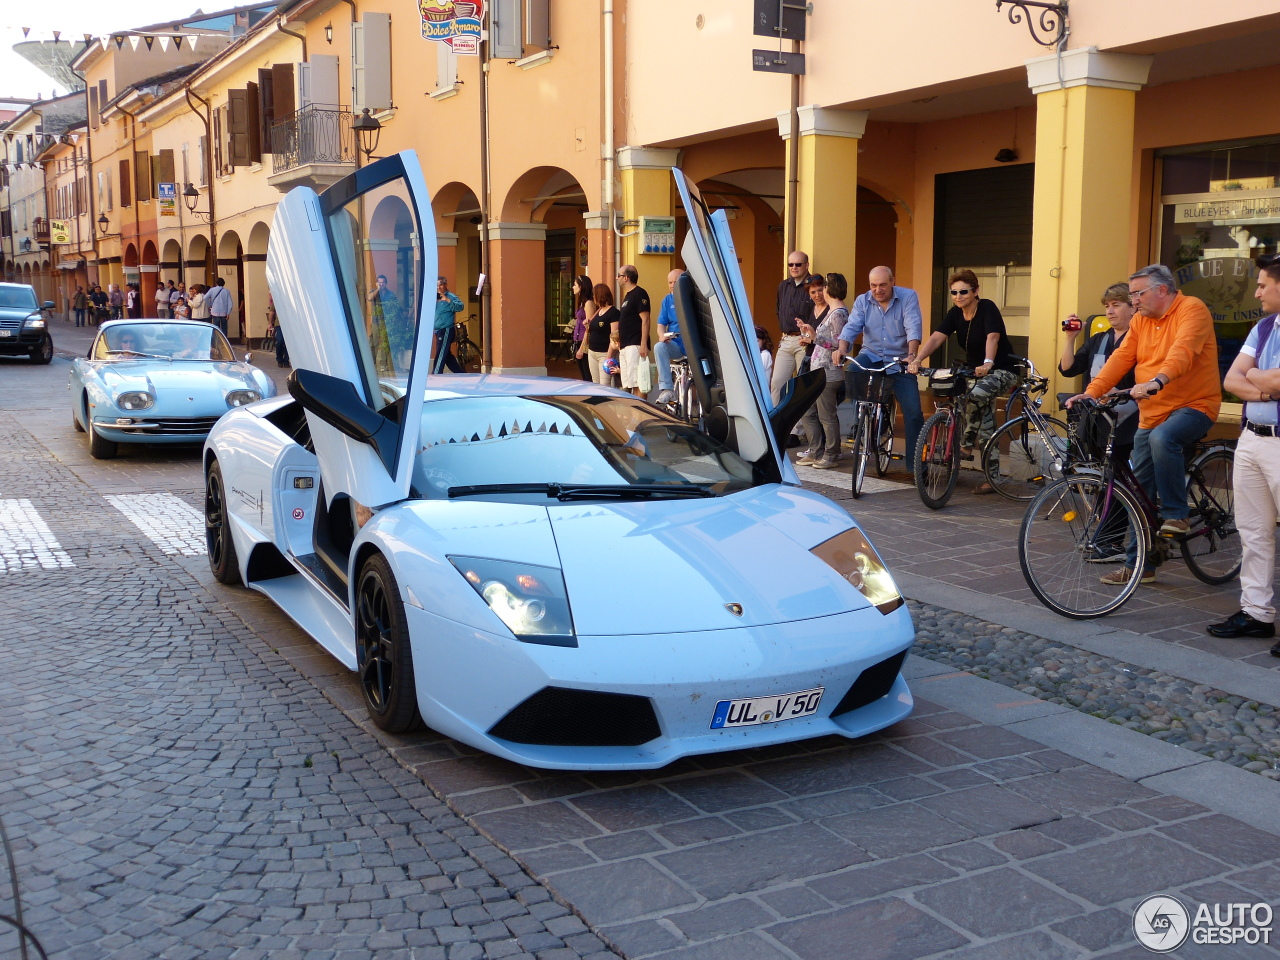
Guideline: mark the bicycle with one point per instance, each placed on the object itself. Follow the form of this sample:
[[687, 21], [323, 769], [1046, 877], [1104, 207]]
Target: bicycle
[[937, 464], [1103, 515], [465, 349], [685, 403], [1029, 450], [873, 415]]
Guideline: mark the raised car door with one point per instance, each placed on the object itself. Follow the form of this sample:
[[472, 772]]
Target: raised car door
[[720, 341], [349, 271]]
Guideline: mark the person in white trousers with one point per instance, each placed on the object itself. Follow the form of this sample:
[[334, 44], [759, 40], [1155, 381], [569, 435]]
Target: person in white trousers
[[1255, 378]]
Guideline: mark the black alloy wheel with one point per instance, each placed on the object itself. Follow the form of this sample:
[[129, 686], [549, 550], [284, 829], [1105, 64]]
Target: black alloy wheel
[[217, 529], [44, 353], [384, 659]]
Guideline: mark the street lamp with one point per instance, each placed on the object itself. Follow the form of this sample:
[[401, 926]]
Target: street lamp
[[328, 33], [369, 131], [103, 224], [191, 196]]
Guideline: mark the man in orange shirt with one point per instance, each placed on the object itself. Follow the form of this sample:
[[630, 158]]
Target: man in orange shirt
[[1173, 352]]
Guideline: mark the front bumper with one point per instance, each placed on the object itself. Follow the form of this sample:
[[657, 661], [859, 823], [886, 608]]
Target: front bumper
[[476, 679], [21, 343]]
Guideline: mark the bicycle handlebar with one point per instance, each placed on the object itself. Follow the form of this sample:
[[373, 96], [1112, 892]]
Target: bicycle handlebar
[[884, 364]]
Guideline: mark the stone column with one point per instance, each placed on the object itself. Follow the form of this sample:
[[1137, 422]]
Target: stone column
[[1083, 185], [518, 255], [647, 191], [827, 195], [600, 265], [447, 261]]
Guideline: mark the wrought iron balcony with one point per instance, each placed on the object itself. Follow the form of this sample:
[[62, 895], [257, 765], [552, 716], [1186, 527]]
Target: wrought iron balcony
[[314, 146], [40, 230]]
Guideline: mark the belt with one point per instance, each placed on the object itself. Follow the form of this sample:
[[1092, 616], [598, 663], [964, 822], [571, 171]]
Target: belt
[[1262, 429]]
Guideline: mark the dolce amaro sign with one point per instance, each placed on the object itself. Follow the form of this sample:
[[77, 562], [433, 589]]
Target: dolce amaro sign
[[455, 22]]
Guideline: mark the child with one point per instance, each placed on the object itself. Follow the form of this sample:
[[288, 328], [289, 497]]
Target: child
[[180, 309], [765, 343]]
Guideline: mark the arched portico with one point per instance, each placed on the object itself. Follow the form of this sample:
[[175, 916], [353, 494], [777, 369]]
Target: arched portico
[[256, 294]]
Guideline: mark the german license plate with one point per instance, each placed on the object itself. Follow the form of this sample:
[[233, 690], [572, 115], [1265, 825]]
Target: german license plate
[[5, 333], [757, 710]]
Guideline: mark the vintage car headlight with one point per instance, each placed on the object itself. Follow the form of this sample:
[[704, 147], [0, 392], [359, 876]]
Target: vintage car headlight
[[238, 398], [851, 555], [35, 323], [135, 400], [531, 600]]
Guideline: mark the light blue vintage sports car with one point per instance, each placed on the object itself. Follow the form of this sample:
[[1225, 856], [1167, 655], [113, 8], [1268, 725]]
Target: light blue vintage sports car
[[158, 381], [552, 571]]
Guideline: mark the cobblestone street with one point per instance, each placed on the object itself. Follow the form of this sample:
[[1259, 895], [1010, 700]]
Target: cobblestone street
[[186, 774]]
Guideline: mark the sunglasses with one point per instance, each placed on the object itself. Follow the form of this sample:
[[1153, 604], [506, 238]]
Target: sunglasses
[[797, 264], [961, 293]]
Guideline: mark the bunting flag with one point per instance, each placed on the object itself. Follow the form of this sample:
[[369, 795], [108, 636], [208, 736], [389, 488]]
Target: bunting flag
[[88, 39], [192, 41], [133, 42], [177, 42], [150, 41], [119, 42], [57, 35], [25, 31], [164, 44], [104, 41]]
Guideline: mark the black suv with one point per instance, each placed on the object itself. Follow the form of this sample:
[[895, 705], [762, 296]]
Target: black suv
[[23, 328]]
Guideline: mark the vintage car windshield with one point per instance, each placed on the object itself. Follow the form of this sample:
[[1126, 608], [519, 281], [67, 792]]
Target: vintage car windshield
[[568, 440], [164, 341], [17, 298]]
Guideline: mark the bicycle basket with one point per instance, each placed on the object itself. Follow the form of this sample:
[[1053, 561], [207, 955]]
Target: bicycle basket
[[871, 387], [1096, 426], [946, 383]]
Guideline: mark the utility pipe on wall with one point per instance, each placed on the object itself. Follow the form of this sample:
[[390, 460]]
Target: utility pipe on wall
[[609, 150]]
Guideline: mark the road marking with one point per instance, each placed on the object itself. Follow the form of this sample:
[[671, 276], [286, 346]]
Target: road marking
[[170, 523], [26, 542]]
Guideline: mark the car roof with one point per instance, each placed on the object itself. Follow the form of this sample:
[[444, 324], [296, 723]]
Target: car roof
[[25, 286], [153, 322], [449, 386]]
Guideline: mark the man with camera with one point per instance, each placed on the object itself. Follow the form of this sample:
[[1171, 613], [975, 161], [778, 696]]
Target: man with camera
[[1254, 377]]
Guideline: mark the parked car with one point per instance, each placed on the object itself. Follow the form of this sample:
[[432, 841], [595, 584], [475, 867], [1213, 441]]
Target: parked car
[[552, 571], [158, 381], [23, 328]]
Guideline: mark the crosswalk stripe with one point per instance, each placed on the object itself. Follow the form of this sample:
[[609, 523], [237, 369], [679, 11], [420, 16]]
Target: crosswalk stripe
[[168, 522], [26, 542]]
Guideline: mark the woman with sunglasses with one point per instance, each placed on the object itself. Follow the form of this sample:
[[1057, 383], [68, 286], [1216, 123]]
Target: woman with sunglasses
[[979, 326]]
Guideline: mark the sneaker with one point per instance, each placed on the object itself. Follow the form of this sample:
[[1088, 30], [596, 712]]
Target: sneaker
[[826, 463], [806, 459], [1103, 553], [966, 453], [666, 396], [1118, 578], [1175, 528]]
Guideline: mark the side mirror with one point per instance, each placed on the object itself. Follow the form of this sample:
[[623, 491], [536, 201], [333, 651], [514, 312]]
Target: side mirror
[[248, 358], [49, 305], [336, 402]]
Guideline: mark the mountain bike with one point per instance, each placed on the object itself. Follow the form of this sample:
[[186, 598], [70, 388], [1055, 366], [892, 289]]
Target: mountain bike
[[1029, 451], [465, 349], [1101, 514], [937, 463], [685, 403], [873, 415]]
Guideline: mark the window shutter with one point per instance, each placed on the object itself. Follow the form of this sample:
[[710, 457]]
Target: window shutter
[[376, 41], [446, 66], [282, 91], [266, 107], [506, 29], [255, 123], [322, 88], [93, 106], [106, 175], [238, 127], [166, 167], [142, 176], [126, 191], [357, 67], [102, 95], [217, 142], [202, 145], [157, 175], [537, 24]]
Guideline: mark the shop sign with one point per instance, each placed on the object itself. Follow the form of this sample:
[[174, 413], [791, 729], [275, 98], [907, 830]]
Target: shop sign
[[1229, 208], [455, 22], [59, 232], [167, 194], [1226, 285]]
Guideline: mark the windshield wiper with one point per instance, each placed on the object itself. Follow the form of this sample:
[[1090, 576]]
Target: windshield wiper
[[588, 491], [135, 355]]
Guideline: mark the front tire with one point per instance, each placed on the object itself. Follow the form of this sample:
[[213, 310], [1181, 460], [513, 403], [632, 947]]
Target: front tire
[[384, 658], [861, 439], [1018, 461], [884, 442], [1213, 551], [217, 529], [937, 465], [44, 354], [101, 448]]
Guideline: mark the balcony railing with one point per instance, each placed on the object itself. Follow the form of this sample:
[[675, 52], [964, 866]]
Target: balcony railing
[[314, 134], [40, 230]]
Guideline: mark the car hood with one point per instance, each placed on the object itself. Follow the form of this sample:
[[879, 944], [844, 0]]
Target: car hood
[[206, 381], [18, 313], [676, 566]]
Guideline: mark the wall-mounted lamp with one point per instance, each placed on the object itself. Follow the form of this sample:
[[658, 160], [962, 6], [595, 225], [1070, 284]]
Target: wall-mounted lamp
[[328, 33], [191, 196], [1006, 156], [369, 131], [103, 224]]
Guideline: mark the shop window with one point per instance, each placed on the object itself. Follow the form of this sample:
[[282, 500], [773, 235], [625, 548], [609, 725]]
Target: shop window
[[1220, 210]]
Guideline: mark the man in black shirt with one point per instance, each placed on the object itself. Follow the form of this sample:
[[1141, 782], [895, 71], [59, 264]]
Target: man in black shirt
[[793, 305], [633, 329]]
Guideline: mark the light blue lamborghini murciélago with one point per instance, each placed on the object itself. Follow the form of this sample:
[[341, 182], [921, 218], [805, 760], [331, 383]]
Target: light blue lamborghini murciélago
[[158, 381], [552, 571]]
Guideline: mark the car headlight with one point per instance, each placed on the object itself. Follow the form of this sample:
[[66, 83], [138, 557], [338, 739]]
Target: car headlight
[[238, 398], [851, 555], [35, 323], [135, 400], [530, 599]]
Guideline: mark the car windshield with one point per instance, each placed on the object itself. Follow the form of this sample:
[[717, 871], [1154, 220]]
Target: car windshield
[[166, 341], [478, 445], [22, 298]]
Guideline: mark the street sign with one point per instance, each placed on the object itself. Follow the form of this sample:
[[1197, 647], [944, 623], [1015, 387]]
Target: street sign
[[777, 61], [59, 232], [167, 194], [783, 19]]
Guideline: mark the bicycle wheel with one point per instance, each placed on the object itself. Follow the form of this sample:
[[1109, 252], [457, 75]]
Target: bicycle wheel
[[1020, 459], [862, 446], [1061, 531], [1212, 550], [937, 460], [884, 442]]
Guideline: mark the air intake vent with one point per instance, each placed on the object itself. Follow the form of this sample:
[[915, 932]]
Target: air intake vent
[[557, 717], [872, 684]]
